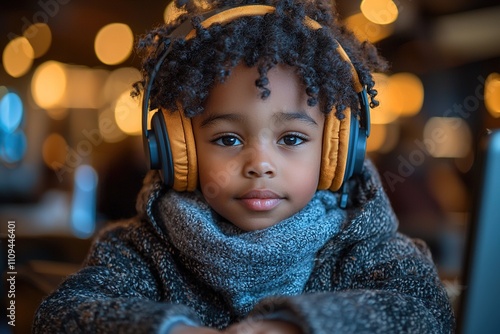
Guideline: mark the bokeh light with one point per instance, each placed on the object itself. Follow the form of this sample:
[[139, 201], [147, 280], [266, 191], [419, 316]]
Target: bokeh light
[[401, 94], [377, 137], [384, 113], [128, 114], [84, 87], [13, 146], [379, 11], [83, 206], [54, 150], [48, 85], [492, 94], [114, 43], [18, 57], [119, 81], [383, 137], [406, 94], [366, 30], [447, 137], [11, 112]]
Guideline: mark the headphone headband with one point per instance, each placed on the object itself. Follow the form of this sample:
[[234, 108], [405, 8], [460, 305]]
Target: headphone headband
[[230, 14]]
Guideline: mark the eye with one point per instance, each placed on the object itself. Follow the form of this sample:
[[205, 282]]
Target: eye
[[227, 140], [292, 140]]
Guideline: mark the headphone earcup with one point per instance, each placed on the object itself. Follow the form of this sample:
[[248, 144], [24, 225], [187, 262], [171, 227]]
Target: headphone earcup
[[334, 156], [180, 138]]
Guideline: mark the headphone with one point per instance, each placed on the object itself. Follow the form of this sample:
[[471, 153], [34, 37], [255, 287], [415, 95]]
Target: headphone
[[169, 143]]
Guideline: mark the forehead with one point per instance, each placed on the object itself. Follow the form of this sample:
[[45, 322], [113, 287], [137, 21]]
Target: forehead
[[240, 88], [238, 100]]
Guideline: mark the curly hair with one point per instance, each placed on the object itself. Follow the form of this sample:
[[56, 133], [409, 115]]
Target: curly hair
[[193, 66]]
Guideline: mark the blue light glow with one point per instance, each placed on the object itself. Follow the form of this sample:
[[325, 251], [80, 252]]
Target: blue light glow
[[13, 146], [11, 112], [83, 210]]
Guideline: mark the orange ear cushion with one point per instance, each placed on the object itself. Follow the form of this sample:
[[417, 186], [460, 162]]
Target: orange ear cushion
[[182, 145], [335, 149]]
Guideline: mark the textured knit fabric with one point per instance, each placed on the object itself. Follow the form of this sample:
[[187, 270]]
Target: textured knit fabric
[[246, 267], [325, 269]]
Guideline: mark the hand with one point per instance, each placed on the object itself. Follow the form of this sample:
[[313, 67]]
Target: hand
[[263, 327], [183, 329]]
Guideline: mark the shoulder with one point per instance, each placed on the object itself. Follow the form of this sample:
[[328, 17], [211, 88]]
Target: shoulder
[[123, 229], [129, 238]]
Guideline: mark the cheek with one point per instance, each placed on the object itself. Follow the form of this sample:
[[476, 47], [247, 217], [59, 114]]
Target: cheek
[[305, 181], [206, 175], [215, 184], [214, 175], [302, 175]]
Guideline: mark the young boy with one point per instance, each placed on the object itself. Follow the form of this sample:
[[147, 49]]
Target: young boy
[[250, 244]]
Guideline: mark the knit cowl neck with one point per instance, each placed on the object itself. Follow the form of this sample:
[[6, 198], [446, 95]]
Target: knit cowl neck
[[246, 266]]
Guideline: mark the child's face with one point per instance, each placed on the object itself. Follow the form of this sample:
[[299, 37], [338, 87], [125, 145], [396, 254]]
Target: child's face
[[259, 160]]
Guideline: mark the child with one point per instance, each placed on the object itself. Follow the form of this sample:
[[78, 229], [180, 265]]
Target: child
[[252, 239]]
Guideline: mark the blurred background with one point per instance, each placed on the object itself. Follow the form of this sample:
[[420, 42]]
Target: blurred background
[[71, 155]]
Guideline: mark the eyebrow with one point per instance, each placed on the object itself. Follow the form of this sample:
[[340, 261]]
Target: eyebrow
[[291, 116], [212, 119], [279, 117]]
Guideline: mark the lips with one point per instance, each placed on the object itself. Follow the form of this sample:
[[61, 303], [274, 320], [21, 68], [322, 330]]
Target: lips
[[260, 200]]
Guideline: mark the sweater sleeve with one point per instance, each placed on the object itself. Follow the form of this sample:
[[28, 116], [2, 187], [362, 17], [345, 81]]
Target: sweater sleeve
[[115, 292], [393, 288]]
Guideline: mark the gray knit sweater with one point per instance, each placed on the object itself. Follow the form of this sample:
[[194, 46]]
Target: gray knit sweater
[[325, 269]]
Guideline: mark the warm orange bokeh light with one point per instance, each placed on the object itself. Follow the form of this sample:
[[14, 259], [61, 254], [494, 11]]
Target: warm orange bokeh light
[[447, 137], [492, 94], [114, 43], [54, 150], [384, 113], [48, 85], [379, 11], [406, 93], [128, 114], [365, 30], [18, 57]]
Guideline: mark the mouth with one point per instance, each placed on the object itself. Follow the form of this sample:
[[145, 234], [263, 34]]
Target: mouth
[[260, 200]]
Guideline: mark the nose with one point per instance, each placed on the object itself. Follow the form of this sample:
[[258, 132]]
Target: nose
[[259, 163]]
